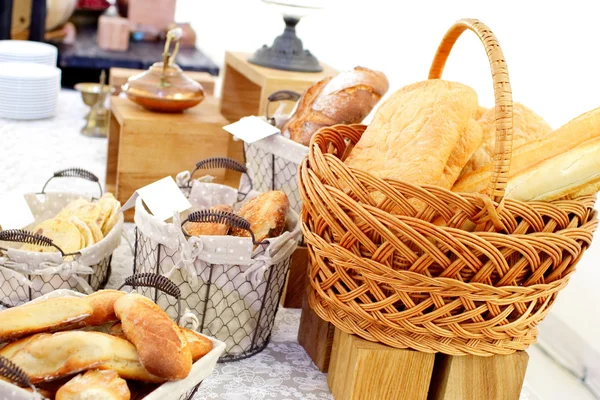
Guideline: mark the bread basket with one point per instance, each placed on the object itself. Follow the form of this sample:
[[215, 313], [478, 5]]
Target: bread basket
[[26, 275], [415, 278]]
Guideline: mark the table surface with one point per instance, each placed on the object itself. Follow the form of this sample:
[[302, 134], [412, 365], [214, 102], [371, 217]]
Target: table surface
[[85, 53], [32, 150]]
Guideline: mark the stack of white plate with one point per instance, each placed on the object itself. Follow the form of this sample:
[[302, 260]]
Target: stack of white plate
[[26, 51], [28, 90]]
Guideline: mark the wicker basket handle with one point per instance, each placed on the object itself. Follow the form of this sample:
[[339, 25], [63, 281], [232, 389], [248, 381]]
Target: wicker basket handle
[[502, 96]]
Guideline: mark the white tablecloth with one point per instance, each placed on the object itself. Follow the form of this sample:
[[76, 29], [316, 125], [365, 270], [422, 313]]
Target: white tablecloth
[[30, 151]]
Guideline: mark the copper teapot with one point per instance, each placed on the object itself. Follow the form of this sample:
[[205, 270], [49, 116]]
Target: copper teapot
[[164, 87]]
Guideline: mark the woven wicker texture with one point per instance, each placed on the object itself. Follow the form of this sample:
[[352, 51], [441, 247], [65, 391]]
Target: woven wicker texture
[[429, 269]]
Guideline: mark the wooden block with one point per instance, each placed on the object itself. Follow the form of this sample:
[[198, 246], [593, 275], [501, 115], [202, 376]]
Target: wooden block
[[361, 369], [118, 77], [473, 378], [295, 288], [113, 33], [315, 336], [144, 146], [156, 13]]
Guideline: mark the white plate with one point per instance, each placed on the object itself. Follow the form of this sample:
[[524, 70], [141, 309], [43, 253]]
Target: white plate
[[28, 71], [26, 48]]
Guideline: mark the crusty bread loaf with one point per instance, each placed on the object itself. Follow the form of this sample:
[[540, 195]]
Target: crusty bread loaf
[[101, 385], [103, 310], [47, 357], [573, 172], [527, 127], [346, 99], [161, 345], [266, 214], [206, 228], [414, 133], [44, 316], [574, 133], [199, 345], [467, 143]]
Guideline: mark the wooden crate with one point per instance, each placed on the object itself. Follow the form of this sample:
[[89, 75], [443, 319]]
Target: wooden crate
[[145, 146], [246, 88], [118, 77]]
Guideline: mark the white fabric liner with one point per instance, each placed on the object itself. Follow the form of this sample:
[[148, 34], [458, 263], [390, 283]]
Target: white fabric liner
[[42, 266], [169, 390], [232, 259]]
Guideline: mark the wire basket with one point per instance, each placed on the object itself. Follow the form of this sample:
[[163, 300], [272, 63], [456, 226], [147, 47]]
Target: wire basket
[[413, 277], [26, 275], [230, 303]]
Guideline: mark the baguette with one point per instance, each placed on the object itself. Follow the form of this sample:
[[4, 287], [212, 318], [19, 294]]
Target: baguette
[[574, 133], [102, 303], [161, 345], [44, 316], [345, 99], [571, 174], [105, 385]]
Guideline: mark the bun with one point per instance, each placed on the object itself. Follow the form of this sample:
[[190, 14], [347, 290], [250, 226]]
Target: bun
[[345, 99], [161, 345], [209, 229], [422, 134], [266, 214], [105, 385]]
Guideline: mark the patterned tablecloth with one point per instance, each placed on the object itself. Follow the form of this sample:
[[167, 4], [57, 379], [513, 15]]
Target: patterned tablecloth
[[31, 150]]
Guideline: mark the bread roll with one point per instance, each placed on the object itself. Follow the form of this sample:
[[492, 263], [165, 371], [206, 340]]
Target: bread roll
[[346, 99], [574, 133], [210, 229], [266, 214], [44, 316], [573, 172], [101, 385], [47, 357], [527, 127], [161, 345], [416, 131]]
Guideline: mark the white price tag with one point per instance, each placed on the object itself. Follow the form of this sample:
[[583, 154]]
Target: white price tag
[[251, 129], [162, 198], [14, 212]]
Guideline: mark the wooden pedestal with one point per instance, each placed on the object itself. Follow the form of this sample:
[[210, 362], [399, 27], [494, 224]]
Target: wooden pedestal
[[315, 336], [295, 286], [119, 76], [145, 146], [474, 378], [360, 369], [246, 88]]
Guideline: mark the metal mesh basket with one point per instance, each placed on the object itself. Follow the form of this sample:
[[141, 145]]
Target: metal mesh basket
[[13, 291], [229, 307]]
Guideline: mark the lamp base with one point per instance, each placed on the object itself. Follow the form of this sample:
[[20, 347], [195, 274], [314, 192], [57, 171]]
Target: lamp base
[[287, 52]]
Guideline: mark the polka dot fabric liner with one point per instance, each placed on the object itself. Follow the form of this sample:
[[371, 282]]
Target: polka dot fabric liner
[[22, 275]]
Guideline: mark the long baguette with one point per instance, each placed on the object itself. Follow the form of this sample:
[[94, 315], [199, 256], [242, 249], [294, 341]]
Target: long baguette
[[565, 138]]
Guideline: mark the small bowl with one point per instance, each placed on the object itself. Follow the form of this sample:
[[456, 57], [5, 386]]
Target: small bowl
[[90, 92]]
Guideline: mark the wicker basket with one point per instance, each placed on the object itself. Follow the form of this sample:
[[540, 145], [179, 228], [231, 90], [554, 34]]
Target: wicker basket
[[415, 278]]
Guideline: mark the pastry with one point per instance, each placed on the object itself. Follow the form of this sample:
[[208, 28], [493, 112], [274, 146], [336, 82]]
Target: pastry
[[527, 127], [422, 134], [42, 316], [111, 207], [92, 213], [345, 99], [62, 232], [563, 139], [209, 229], [87, 239], [105, 385], [161, 345], [266, 214]]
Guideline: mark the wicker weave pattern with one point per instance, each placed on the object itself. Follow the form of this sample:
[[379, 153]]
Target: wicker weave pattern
[[427, 268]]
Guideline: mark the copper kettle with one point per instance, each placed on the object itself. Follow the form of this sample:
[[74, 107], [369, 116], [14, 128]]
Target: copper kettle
[[164, 87]]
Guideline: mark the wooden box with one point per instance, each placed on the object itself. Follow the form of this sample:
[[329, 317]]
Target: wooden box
[[295, 287], [315, 336], [145, 146], [246, 88], [118, 77], [155, 13], [113, 33]]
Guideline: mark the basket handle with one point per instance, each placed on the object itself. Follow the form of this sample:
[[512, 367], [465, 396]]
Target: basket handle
[[220, 217], [280, 95], [159, 282], [22, 236], [502, 96], [74, 173]]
